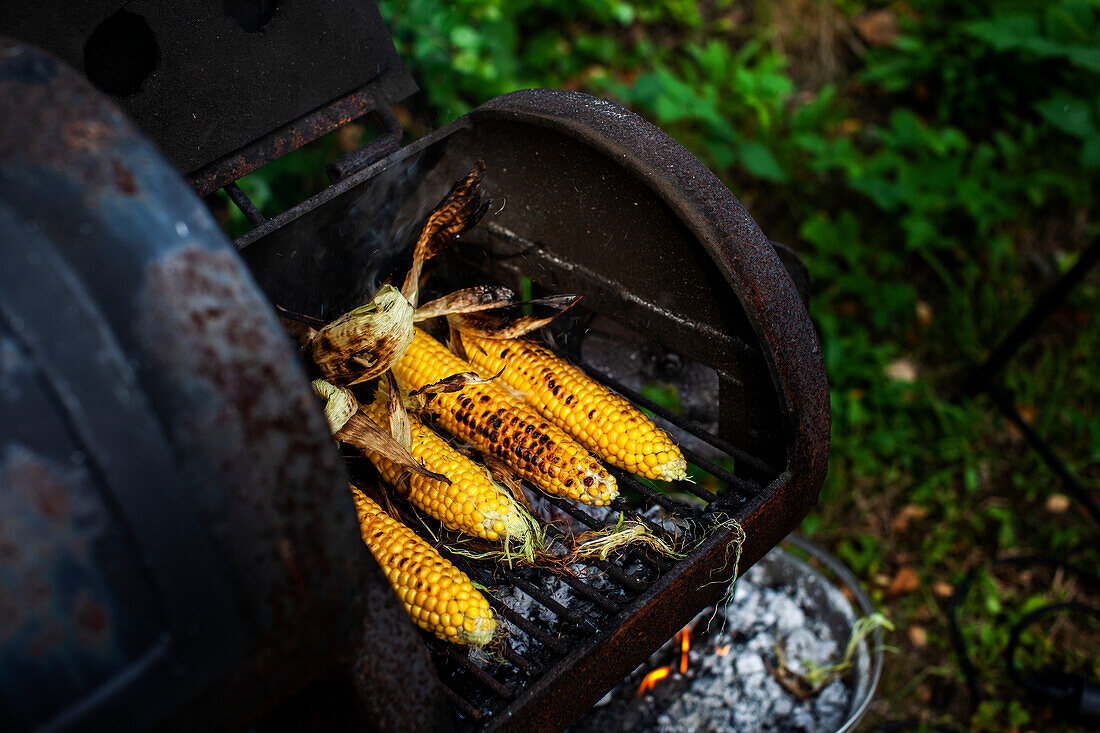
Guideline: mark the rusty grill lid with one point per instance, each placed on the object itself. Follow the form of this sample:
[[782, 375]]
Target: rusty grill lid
[[207, 81]]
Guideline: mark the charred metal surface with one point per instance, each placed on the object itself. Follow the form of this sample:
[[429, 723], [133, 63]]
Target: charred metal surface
[[385, 144], [207, 79], [169, 395]]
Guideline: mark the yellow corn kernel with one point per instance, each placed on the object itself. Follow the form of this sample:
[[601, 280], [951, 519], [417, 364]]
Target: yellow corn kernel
[[472, 503], [489, 418], [599, 419], [424, 580]]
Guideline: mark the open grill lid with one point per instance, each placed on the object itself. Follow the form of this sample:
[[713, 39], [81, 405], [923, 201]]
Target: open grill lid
[[223, 88]]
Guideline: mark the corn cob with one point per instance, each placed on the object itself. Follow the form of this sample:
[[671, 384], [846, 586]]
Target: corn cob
[[438, 596], [472, 503], [599, 419], [488, 417]]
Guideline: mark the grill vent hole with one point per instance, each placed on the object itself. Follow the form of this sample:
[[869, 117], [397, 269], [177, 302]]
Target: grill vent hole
[[120, 54], [251, 15]]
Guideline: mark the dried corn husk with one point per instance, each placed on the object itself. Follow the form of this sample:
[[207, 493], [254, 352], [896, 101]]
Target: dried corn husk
[[340, 404], [365, 342]]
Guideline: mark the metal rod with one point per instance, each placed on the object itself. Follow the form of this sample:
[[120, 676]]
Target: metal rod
[[620, 505], [464, 708], [519, 661], [547, 602], [534, 631], [1008, 407], [240, 198], [665, 502], [589, 592], [579, 514], [365, 155], [980, 380], [497, 687], [749, 488]]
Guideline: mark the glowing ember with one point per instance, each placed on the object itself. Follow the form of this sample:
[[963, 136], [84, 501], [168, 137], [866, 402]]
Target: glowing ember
[[652, 679], [722, 650], [685, 645]]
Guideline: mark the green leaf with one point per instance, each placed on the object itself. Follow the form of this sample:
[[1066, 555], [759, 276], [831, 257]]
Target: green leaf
[[1090, 154], [759, 161], [623, 13], [1005, 32], [1086, 58], [1069, 114]]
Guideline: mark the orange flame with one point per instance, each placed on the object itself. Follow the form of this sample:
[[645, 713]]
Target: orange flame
[[685, 645], [722, 650], [652, 679]]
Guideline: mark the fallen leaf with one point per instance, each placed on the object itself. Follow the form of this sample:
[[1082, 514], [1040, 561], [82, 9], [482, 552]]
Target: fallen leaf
[[923, 614], [924, 314], [924, 693], [902, 370], [1057, 503], [906, 581], [877, 27], [942, 589], [918, 637], [906, 515]]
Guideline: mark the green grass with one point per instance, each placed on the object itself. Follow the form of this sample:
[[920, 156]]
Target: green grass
[[934, 184]]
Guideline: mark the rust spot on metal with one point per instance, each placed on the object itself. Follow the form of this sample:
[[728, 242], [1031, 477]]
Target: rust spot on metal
[[49, 523], [92, 622], [286, 553], [124, 178]]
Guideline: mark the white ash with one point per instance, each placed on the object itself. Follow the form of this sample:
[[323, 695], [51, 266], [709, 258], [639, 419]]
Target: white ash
[[737, 691]]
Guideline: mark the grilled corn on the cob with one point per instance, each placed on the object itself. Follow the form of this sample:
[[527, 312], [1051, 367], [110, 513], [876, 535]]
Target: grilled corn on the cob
[[488, 417], [438, 596], [471, 503], [599, 419]]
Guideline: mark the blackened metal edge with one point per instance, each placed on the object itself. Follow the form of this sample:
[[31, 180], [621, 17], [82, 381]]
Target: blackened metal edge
[[288, 138], [743, 254], [350, 183]]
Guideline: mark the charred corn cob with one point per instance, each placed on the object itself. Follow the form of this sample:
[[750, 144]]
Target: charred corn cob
[[471, 503], [488, 417], [599, 419], [438, 596]]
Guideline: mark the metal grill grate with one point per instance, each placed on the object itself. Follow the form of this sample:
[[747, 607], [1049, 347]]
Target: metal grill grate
[[553, 614]]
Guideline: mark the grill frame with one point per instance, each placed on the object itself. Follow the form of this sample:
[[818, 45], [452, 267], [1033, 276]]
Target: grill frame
[[743, 260]]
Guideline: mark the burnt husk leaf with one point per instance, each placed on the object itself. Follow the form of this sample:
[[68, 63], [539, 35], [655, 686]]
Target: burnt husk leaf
[[510, 321], [400, 427], [363, 433], [453, 383], [505, 476], [461, 209], [467, 300]]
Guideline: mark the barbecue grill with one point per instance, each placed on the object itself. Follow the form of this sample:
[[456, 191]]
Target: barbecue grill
[[139, 347]]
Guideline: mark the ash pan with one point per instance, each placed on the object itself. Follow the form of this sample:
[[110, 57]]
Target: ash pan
[[748, 662]]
